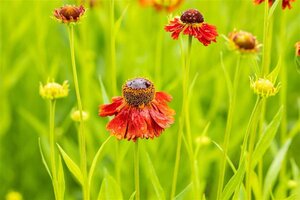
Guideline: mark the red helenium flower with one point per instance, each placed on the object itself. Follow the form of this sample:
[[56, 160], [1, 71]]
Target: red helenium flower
[[168, 5], [140, 112], [191, 22], [285, 3], [69, 13]]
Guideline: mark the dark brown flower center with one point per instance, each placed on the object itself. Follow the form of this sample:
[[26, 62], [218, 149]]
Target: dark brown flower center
[[70, 12], [138, 92], [192, 16], [244, 40]]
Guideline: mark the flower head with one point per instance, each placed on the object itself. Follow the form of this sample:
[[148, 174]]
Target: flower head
[[297, 45], [69, 13], [264, 87], [54, 90], [191, 22], [285, 3], [140, 112], [167, 5], [75, 116], [243, 41]]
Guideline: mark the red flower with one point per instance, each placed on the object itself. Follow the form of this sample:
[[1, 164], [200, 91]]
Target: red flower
[[191, 22], [169, 5], [297, 45], [140, 112], [285, 3], [68, 14]]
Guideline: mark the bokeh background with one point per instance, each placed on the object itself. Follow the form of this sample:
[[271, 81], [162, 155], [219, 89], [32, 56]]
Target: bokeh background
[[34, 47]]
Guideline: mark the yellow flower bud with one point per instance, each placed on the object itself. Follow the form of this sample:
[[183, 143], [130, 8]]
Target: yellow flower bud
[[263, 87], [292, 184], [54, 90], [75, 116], [13, 195]]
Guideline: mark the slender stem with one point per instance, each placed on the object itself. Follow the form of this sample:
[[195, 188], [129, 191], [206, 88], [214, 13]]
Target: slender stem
[[184, 113], [232, 100], [82, 140], [113, 75], [52, 148], [265, 65], [158, 54], [136, 170]]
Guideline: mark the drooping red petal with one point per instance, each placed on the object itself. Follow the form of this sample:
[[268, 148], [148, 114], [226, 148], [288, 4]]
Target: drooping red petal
[[160, 119], [137, 126], [112, 108], [151, 132], [118, 126], [206, 34]]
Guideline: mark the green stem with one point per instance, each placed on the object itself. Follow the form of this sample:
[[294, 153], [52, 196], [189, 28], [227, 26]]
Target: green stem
[[52, 148], [136, 170], [232, 100], [113, 75], [184, 113], [158, 54], [81, 135], [265, 64]]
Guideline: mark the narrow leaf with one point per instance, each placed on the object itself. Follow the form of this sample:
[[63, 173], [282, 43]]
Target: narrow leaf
[[182, 195], [265, 140], [272, 9], [43, 159], [234, 182], [274, 74], [274, 169], [73, 168], [103, 91], [132, 196], [227, 77], [61, 179], [119, 21], [110, 189], [154, 179], [95, 160]]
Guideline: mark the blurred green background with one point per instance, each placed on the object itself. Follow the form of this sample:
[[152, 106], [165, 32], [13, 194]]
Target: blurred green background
[[34, 47]]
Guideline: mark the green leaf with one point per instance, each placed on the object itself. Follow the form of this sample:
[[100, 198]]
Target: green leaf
[[154, 179], [43, 159], [235, 181], [119, 21], [274, 169], [292, 197], [110, 189], [103, 91], [183, 194], [274, 74], [266, 138], [61, 179], [227, 157], [132, 196], [272, 9], [73, 168], [95, 160]]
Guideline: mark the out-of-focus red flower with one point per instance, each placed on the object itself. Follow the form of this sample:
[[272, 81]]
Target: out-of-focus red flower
[[297, 45], [191, 22], [167, 5], [140, 112], [69, 13], [285, 3]]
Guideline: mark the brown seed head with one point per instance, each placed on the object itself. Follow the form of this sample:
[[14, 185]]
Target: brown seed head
[[69, 13], [192, 16], [138, 92], [243, 40]]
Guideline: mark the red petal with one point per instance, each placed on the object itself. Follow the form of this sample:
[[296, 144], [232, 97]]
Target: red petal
[[162, 97], [160, 119], [118, 125], [150, 129], [137, 126], [111, 109]]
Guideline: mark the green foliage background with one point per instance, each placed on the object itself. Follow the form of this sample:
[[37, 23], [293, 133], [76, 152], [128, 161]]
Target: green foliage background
[[34, 47]]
